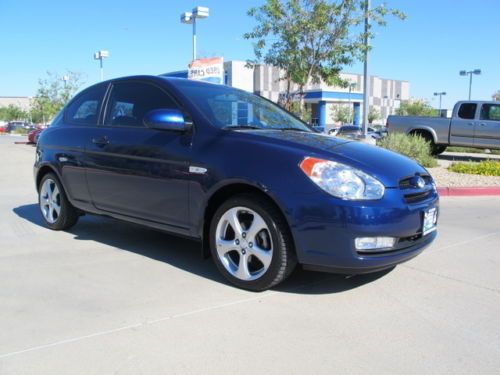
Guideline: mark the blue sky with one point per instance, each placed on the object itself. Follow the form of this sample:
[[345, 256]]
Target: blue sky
[[438, 39]]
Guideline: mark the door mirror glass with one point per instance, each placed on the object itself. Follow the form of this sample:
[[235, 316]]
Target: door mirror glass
[[166, 119]]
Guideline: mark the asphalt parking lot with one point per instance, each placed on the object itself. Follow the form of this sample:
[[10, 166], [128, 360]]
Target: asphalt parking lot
[[113, 298]]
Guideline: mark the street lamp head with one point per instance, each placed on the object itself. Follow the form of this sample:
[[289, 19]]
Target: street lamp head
[[476, 71], [187, 17], [200, 12], [463, 73], [101, 55]]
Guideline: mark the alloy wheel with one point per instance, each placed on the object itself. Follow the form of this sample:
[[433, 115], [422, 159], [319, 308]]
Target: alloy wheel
[[50, 201], [244, 244]]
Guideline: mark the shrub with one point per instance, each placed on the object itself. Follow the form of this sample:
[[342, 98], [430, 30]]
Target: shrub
[[413, 146], [484, 168]]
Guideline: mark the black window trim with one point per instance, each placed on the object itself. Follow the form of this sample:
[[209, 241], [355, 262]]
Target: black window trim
[[109, 92]]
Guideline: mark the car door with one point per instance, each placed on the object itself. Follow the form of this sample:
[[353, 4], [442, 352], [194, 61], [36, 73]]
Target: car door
[[488, 128], [137, 171], [463, 125], [67, 139]]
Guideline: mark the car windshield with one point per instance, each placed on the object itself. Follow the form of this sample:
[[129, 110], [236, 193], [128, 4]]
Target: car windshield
[[226, 107]]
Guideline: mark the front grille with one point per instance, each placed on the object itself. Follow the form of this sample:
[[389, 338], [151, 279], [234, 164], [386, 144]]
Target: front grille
[[405, 183], [413, 194], [417, 197]]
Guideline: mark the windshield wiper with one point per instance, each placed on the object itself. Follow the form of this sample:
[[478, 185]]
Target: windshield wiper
[[238, 127]]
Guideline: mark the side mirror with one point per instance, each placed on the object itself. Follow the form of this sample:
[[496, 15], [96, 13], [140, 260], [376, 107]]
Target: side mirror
[[166, 119]]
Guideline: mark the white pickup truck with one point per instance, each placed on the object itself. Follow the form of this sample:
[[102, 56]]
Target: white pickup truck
[[473, 124]]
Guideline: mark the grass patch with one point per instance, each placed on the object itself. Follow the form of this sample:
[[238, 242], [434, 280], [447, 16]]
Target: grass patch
[[484, 168], [470, 150], [413, 146]]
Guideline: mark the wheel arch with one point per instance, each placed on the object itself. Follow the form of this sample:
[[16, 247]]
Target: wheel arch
[[223, 193], [42, 171], [424, 131]]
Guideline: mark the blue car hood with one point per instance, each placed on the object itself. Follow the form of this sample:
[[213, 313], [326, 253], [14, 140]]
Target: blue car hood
[[387, 166]]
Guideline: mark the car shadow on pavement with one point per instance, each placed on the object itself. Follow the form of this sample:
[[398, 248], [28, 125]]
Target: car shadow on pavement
[[185, 254]]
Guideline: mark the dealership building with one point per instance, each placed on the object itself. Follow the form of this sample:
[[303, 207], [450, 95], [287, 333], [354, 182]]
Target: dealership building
[[323, 100]]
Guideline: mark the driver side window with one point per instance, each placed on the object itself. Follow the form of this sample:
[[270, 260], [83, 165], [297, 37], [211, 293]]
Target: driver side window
[[131, 101]]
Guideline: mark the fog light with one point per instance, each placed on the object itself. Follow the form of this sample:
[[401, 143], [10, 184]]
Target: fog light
[[372, 243]]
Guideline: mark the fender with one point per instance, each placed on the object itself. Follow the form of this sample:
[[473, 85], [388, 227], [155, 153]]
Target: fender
[[240, 185], [427, 129]]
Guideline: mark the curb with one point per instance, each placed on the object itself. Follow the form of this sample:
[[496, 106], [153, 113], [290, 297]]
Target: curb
[[468, 191]]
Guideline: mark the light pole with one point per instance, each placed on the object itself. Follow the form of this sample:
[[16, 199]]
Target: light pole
[[470, 73], [65, 79], [440, 97], [385, 103], [190, 18], [351, 86], [366, 83], [100, 55]]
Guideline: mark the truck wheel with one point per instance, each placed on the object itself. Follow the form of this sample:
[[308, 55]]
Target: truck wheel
[[251, 244], [438, 149], [434, 148]]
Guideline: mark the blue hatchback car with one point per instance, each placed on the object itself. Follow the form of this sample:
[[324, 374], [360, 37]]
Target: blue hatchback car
[[258, 188]]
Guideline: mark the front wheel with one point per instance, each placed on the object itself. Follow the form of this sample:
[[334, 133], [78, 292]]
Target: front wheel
[[57, 211], [251, 243]]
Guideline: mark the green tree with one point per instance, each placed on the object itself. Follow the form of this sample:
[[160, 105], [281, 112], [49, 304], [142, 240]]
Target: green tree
[[312, 40], [373, 114], [305, 115], [53, 93], [341, 114], [12, 112], [418, 107]]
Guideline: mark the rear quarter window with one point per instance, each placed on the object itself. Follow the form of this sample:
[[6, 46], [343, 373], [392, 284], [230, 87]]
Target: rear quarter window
[[85, 108]]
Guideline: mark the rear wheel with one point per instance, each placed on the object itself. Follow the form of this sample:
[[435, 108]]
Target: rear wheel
[[434, 148], [438, 149], [57, 211], [251, 244]]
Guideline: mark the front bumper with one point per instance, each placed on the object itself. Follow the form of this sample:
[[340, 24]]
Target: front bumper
[[324, 229]]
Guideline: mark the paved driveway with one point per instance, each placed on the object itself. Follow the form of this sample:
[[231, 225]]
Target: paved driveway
[[113, 298]]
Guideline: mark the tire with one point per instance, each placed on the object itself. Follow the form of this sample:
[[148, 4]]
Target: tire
[[251, 243], [438, 149], [57, 212], [434, 148]]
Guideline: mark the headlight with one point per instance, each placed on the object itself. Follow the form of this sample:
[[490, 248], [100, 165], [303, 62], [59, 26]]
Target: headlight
[[342, 181]]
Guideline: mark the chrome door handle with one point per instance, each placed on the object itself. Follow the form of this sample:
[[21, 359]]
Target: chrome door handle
[[101, 142], [470, 123]]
